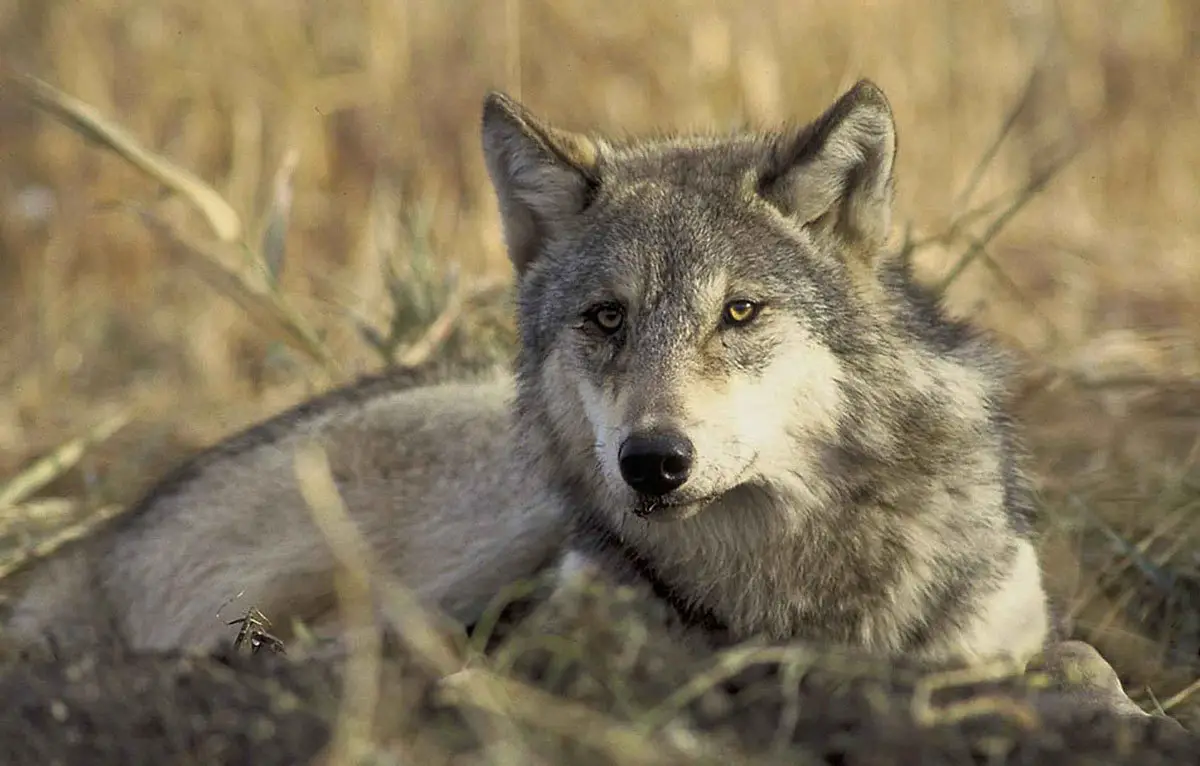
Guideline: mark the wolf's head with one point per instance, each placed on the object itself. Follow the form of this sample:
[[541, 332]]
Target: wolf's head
[[689, 307]]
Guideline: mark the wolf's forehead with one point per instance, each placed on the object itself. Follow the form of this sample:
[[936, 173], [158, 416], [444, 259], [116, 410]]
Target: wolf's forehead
[[677, 218], [660, 234], [684, 229], [688, 161]]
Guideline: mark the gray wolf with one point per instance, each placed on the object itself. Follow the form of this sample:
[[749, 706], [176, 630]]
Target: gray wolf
[[728, 390], [747, 403]]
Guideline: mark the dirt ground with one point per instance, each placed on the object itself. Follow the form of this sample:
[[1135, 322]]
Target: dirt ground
[[264, 708]]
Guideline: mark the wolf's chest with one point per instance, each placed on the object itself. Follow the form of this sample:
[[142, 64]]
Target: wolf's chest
[[783, 587]]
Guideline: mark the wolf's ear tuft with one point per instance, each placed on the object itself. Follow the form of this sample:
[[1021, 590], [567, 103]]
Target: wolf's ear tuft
[[542, 175], [836, 173]]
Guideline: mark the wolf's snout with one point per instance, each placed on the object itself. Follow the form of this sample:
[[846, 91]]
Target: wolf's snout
[[656, 462]]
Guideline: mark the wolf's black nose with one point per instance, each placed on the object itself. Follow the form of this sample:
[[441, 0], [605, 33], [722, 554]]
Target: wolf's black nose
[[656, 462]]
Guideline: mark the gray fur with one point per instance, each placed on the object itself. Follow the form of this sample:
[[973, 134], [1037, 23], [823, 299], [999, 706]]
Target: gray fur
[[423, 465], [856, 478]]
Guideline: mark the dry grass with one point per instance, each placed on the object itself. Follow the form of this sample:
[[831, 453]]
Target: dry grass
[[345, 138]]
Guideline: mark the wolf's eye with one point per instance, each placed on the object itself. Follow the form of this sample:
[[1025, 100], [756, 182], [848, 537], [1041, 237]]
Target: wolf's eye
[[739, 312], [608, 317]]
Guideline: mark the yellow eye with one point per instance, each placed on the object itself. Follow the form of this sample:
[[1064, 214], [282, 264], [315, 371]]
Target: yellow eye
[[740, 312], [608, 318]]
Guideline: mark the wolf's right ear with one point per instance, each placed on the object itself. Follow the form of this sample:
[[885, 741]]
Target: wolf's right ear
[[542, 175]]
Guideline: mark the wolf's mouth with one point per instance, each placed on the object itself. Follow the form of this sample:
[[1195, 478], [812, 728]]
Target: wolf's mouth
[[659, 509]]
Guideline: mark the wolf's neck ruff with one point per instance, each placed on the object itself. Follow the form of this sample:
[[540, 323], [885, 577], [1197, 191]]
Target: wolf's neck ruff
[[715, 337]]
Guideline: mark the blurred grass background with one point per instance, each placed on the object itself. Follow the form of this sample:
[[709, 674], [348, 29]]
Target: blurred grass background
[[365, 114]]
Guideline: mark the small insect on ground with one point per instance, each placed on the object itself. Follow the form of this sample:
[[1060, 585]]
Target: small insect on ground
[[253, 635]]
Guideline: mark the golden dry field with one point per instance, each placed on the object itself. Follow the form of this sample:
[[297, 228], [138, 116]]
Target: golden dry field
[[1048, 177]]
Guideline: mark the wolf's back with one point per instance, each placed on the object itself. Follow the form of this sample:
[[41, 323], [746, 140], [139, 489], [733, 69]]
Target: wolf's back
[[427, 472]]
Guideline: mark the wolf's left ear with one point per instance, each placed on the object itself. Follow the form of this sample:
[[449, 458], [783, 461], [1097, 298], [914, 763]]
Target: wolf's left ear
[[837, 172], [542, 175]]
